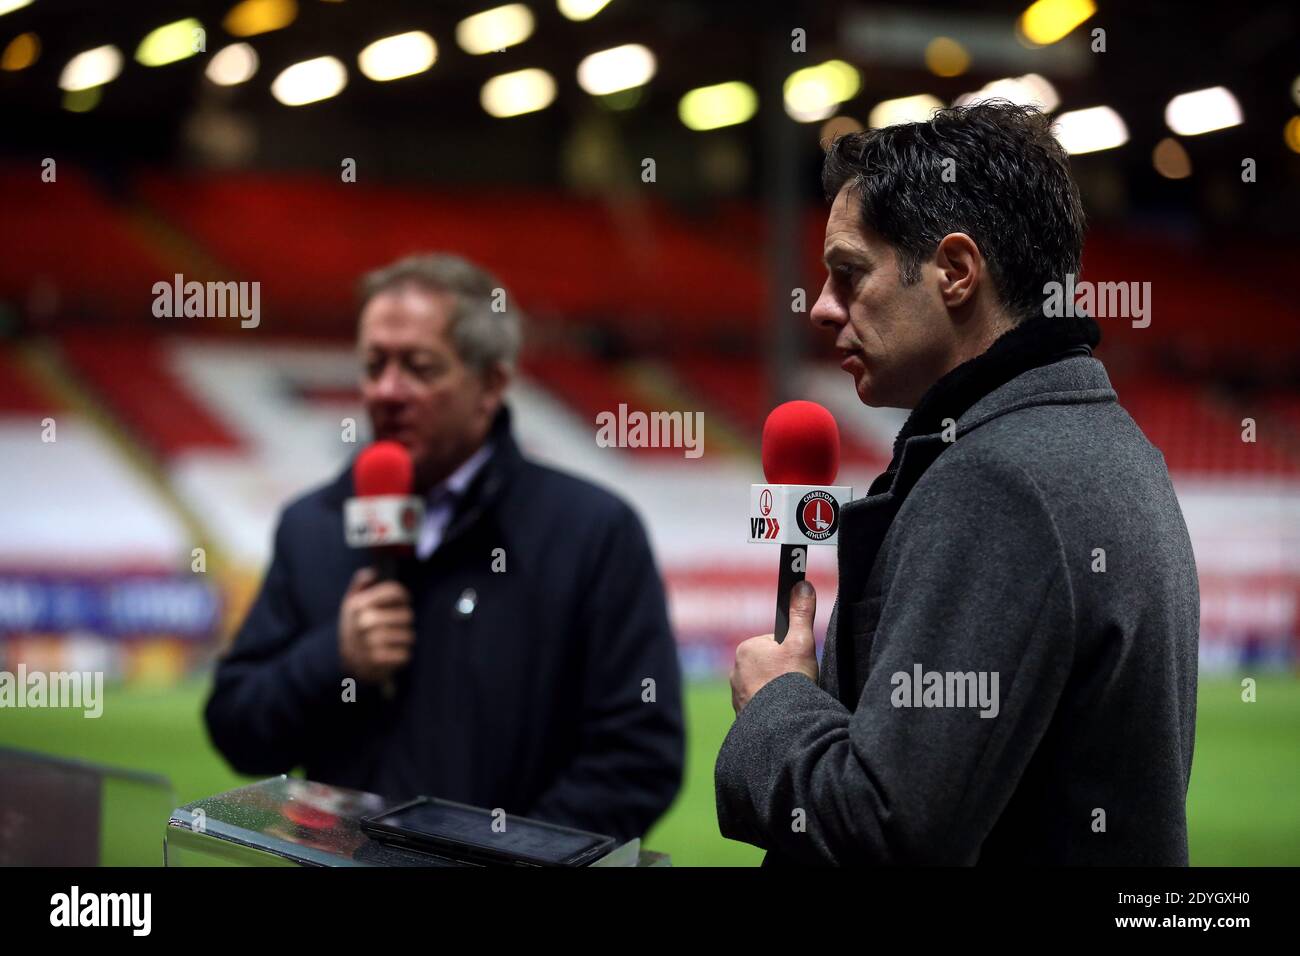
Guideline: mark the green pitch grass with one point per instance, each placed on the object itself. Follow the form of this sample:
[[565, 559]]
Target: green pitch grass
[[1244, 805]]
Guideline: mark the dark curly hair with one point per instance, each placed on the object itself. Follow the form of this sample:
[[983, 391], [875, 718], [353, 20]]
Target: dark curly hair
[[1011, 192]]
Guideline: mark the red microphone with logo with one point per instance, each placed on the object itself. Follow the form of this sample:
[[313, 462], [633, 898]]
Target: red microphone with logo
[[384, 516], [799, 505]]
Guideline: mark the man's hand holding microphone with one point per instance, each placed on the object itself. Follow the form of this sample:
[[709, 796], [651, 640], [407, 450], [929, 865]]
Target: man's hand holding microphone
[[761, 659], [376, 627]]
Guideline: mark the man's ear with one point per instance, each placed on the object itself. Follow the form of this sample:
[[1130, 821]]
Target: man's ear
[[961, 269]]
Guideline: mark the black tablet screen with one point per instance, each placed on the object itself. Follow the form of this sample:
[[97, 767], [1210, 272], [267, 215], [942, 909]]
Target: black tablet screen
[[520, 838]]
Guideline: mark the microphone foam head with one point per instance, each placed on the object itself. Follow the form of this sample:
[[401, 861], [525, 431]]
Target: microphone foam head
[[384, 468], [801, 445]]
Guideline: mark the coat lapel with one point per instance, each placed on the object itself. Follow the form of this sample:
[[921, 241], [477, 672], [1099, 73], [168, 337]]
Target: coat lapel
[[864, 524]]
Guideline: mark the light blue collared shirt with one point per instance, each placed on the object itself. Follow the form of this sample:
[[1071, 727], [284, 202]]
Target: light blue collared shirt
[[441, 501]]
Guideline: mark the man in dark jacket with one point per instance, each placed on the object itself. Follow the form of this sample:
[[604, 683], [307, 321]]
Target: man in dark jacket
[[1010, 668], [522, 660]]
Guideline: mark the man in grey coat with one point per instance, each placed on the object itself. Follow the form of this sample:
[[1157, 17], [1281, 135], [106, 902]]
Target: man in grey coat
[[1009, 674]]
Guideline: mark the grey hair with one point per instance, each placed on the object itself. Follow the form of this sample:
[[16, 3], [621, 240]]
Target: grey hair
[[485, 326]]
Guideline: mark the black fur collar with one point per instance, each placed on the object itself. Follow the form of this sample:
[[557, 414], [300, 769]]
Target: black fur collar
[[1034, 342]]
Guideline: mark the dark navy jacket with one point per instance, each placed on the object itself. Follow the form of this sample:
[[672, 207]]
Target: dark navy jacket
[[538, 701]]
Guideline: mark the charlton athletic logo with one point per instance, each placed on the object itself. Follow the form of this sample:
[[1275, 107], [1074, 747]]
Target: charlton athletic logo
[[818, 515], [410, 517]]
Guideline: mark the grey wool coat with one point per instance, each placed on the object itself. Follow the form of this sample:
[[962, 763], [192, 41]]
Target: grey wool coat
[[1044, 545]]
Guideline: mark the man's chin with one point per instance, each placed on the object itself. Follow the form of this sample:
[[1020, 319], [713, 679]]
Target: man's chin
[[402, 436], [867, 393], [872, 395], [419, 454]]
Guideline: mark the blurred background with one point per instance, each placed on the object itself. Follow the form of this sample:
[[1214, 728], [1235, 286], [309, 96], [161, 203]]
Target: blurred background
[[643, 176]]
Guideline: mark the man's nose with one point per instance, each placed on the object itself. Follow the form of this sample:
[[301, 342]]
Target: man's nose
[[827, 313], [390, 386]]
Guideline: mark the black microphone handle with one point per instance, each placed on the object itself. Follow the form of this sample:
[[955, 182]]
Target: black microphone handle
[[385, 564], [786, 580]]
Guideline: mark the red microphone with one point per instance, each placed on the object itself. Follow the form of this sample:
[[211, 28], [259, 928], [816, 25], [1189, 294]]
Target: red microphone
[[799, 505], [801, 445], [384, 468], [384, 516]]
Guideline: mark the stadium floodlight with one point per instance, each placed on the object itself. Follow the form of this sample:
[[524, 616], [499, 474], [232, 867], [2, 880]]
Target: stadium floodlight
[[905, 109], [22, 51], [620, 68], [495, 29], [170, 42], [91, 68], [712, 107], [1090, 130], [1028, 90], [814, 92], [1171, 160], [946, 57], [1291, 134], [232, 65], [405, 54], [580, 9], [1047, 21], [1203, 111], [513, 94], [251, 17], [310, 81]]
